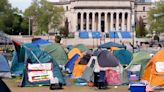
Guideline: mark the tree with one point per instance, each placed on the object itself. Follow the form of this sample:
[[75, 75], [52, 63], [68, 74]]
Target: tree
[[64, 31], [156, 22], [140, 28], [10, 19], [45, 15]]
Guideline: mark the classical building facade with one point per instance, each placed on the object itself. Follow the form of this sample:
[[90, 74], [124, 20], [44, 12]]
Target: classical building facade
[[103, 15]]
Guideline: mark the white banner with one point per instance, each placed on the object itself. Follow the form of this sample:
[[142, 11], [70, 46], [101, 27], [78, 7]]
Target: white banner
[[159, 66], [43, 66], [38, 76]]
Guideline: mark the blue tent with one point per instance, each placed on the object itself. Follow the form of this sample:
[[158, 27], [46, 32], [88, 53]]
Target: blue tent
[[70, 64], [124, 56], [40, 42], [4, 67], [108, 45]]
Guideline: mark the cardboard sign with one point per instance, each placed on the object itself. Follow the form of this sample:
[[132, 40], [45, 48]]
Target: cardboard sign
[[38, 76], [43, 66], [159, 66], [39, 72]]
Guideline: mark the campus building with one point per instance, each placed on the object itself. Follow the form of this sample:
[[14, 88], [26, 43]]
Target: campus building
[[104, 16]]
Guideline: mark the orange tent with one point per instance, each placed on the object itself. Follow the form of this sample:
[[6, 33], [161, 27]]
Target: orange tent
[[78, 69], [154, 71]]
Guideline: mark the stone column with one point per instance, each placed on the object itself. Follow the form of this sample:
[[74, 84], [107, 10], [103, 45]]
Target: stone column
[[128, 22], [99, 21], [106, 22], [117, 21], [93, 21], [87, 22], [82, 23], [123, 22], [74, 22], [111, 21]]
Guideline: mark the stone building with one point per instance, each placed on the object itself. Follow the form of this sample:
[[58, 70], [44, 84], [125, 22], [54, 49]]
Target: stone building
[[103, 15]]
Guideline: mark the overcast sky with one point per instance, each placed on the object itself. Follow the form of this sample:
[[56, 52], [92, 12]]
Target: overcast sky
[[23, 4]]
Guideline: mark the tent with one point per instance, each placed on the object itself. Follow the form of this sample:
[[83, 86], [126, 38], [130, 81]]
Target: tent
[[69, 47], [74, 58], [4, 67], [73, 52], [109, 64], [40, 42], [108, 45], [33, 58], [81, 47], [139, 58], [4, 87], [57, 52], [124, 56], [106, 59], [154, 70]]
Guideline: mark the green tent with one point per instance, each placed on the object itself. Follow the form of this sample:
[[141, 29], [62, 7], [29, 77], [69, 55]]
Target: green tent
[[33, 55], [57, 52], [82, 47], [138, 58]]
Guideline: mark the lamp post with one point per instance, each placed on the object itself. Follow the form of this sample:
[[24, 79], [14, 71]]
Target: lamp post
[[133, 25], [30, 18], [114, 36]]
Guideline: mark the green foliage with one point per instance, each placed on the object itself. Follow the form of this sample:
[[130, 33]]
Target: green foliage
[[45, 15], [156, 22], [141, 31], [10, 20]]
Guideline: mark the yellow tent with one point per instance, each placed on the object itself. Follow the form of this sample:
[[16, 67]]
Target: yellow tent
[[154, 71], [73, 52], [78, 69]]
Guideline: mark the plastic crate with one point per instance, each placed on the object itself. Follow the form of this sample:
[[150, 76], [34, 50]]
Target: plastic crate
[[137, 87]]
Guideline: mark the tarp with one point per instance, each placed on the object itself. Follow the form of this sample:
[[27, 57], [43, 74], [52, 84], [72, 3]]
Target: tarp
[[113, 35], [124, 56], [4, 67], [34, 55], [154, 70], [81, 47], [57, 52], [108, 45], [96, 35], [125, 34], [84, 35]]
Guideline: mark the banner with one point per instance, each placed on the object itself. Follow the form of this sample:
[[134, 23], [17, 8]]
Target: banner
[[160, 67], [39, 72], [43, 66]]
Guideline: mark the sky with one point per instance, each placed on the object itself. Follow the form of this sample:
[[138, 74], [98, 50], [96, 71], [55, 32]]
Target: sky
[[23, 4]]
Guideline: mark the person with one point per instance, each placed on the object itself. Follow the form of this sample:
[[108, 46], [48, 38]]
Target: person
[[57, 39], [159, 46], [156, 38], [137, 46]]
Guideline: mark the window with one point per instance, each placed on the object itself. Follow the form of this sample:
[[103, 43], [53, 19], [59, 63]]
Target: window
[[144, 8], [66, 8]]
